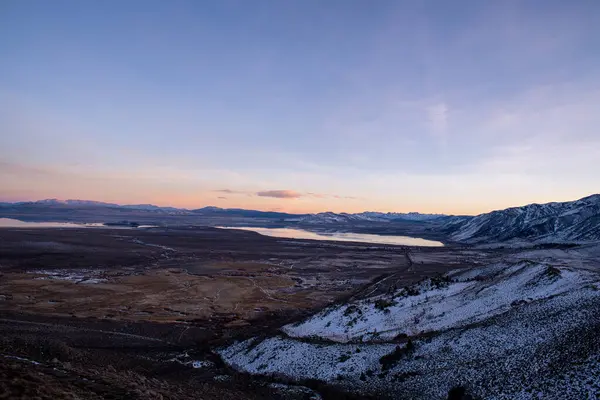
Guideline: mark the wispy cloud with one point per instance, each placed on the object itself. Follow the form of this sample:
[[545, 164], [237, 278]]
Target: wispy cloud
[[229, 191], [283, 194], [437, 116], [280, 194]]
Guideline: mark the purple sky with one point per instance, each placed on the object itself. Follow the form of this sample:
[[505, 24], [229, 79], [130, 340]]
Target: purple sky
[[431, 106]]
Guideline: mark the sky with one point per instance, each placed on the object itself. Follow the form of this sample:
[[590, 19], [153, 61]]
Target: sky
[[457, 107]]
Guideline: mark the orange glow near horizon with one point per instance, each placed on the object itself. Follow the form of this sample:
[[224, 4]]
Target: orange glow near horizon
[[180, 189], [293, 206]]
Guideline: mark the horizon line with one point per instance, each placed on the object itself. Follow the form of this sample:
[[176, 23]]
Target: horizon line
[[279, 211]]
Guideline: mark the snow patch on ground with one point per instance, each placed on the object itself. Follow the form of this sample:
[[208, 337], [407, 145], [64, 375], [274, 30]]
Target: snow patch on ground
[[160, 246], [21, 359], [78, 276], [186, 360], [289, 357]]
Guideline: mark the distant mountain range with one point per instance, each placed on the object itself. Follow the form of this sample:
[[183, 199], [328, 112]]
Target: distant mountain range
[[240, 212], [320, 218], [367, 216], [571, 221]]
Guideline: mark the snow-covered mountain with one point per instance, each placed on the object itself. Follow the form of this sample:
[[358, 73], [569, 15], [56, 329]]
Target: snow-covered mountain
[[152, 207], [568, 221], [367, 216], [329, 217], [95, 204], [71, 202], [390, 216]]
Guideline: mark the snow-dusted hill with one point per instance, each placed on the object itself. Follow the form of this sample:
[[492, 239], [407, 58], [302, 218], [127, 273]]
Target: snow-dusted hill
[[573, 221], [151, 207], [437, 304], [390, 216], [367, 216], [71, 202], [526, 330], [326, 218]]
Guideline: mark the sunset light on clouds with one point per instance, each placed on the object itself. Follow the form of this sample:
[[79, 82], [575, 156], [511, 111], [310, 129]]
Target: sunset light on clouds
[[301, 106]]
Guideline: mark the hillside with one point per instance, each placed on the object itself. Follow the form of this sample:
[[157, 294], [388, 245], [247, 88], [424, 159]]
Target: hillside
[[572, 221], [505, 331]]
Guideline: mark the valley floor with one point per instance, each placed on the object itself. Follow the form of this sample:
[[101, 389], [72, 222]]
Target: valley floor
[[184, 312]]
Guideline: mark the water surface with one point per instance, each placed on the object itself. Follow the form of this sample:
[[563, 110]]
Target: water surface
[[340, 236], [15, 223]]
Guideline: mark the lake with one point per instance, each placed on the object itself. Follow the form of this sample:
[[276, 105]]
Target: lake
[[15, 223], [291, 233]]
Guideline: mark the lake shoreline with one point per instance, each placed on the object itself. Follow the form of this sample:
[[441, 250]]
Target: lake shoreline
[[294, 233]]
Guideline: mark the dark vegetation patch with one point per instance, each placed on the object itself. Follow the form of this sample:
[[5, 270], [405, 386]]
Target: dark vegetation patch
[[440, 282], [459, 393], [352, 309], [390, 360], [344, 358], [409, 291], [552, 272], [401, 377], [384, 304]]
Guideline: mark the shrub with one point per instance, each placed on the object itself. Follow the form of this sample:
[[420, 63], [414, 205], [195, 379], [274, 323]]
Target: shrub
[[389, 360], [412, 291], [351, 310], [440, 281], [552, 272], [383, 304]]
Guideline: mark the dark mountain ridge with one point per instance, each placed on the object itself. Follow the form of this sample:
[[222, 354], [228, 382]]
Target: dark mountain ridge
[[568, 221]]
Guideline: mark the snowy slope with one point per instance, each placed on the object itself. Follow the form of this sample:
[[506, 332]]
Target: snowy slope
[[576, 221], [541, 350], [521, 331], [440, 304]]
